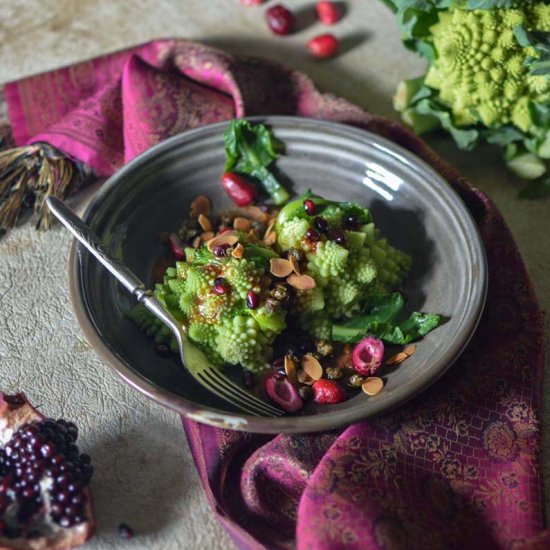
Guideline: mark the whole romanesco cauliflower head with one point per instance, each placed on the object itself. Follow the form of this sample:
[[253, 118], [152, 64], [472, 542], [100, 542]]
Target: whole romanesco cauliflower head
[[481, 69]]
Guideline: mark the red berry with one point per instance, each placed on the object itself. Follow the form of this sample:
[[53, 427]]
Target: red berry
[[312, 235], [328, 392], [240, 191], [367, 355], [328, 12], [323, 46], [280, 19]]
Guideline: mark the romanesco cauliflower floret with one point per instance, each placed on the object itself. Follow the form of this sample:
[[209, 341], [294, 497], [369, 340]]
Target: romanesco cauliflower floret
[[243, 275], [329, 259], [241, 341], [342, 295], [292, 232], [309, 301]]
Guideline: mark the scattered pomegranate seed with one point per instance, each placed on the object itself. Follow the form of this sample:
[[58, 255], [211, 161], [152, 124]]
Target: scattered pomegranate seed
[[125, 532], [221, 286], [280, 19], [221, 250], [328, 12], [323, 46], [240, 191], [321, 224], [351, 222], [339, 237], [312, 235], [309, 207], [177, 247], [328, 392], [252, 299]]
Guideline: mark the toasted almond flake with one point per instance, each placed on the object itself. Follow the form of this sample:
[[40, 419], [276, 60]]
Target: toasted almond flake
[[372, 385], [305, 378], [301, 282], [241, 224], [409, 350], [208, 235], [270, 227], [270, 239], [252, 212], [295, 264], [312, 367], [228, 237], [253, 235], [238, 251], [197, 241], [397, 358], [205, 223], [290, 370], [201, 205], [280, 267]]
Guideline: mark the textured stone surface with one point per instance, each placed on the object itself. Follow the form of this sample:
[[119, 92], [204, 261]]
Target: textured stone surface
[[145, 476]]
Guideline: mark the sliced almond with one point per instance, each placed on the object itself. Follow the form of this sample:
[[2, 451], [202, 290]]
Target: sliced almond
[[253, 235], [312, 367], [241, 224], [270, 227], [372, 385], [397, 358], [205, 223], [301, 282], [305, 378], [228, 237], [290, 370], [280, 267], [295, 264], [252, 212], [270, 239], [201, 205], [206, 236], [197, 241], [238, 251], [409, 350]]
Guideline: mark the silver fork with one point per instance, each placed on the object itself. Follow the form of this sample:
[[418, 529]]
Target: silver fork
[[192, 357]]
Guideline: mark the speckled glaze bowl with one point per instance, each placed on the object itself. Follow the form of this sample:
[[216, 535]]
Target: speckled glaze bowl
[[411, 204]]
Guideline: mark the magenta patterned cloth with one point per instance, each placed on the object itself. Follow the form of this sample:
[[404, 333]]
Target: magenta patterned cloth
[[458, 467]]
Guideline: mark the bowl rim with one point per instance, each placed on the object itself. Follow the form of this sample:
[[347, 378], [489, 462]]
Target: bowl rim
[[285, 424]]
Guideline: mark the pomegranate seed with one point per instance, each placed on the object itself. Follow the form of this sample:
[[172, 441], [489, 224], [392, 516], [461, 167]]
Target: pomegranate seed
[[125, 532], [339, 238], [220, 286], [351, 222], [280, 19], [321, 224], [221, 250], [328, 392], [309, 207], [252, 299], [328, 12], [177, 247], [323, 46], [312, 235], [240, 191]]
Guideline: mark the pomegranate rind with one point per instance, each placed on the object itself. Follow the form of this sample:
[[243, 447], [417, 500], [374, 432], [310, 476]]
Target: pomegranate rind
[[15, 411]]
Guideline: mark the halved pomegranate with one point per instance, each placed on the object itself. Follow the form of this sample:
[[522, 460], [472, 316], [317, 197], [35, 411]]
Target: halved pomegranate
[[45, 500]]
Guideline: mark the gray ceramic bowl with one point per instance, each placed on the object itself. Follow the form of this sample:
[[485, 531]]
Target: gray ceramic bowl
[[412, 205]]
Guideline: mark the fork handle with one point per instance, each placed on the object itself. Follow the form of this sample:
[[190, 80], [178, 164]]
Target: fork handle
[[91, 241]]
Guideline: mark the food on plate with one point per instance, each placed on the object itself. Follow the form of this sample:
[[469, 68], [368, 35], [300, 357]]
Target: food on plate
[[45, 500], [303, 296], [487, 78]]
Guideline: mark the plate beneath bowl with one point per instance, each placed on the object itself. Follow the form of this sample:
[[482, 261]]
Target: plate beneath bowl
[[411, 204]]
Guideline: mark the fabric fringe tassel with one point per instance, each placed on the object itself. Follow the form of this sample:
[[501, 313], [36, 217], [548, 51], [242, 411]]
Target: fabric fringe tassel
[[28, 175]]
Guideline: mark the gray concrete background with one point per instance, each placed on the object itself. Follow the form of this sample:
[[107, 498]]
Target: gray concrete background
[[145, 474]]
